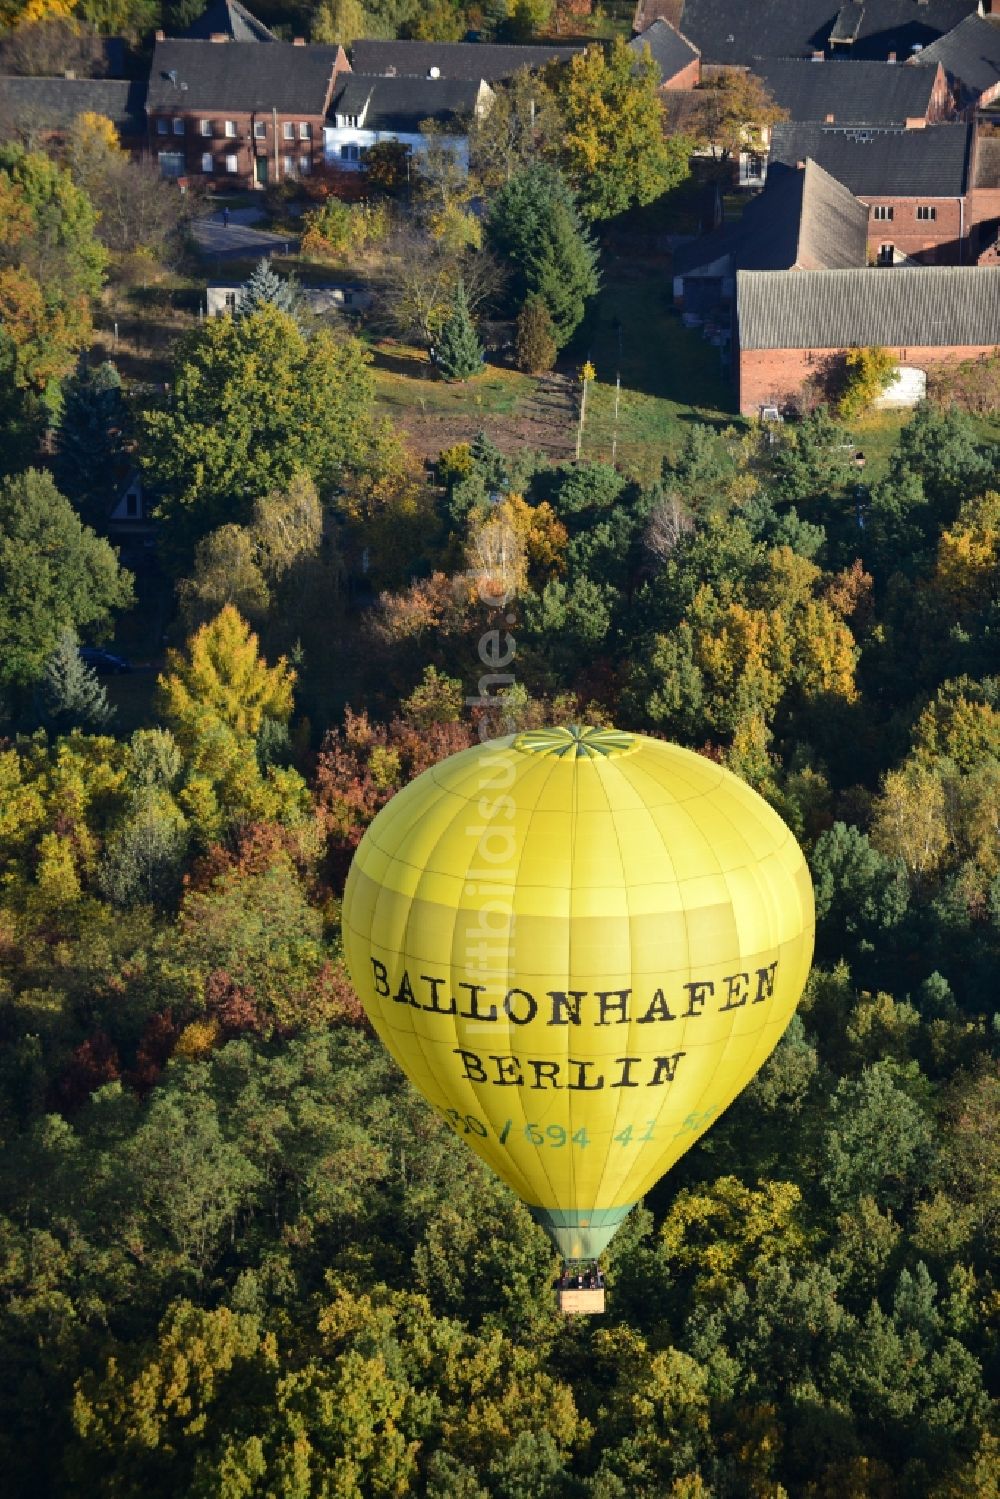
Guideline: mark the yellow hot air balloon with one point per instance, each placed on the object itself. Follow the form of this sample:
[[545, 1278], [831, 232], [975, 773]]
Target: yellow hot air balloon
[[579, 945]]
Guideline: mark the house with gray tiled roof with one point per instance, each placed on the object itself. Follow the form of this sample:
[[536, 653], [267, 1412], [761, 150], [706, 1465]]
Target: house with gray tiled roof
[[803, 221], [366, 110], [915, 183], [856, 92], [970, 57], [732, 33], [239, 114], [678, 60], [228, 19], [791, 326], [39, 109]]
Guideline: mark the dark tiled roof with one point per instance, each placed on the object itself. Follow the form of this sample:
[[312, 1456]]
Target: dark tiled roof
[[803, 220], [229, 18], [671, 50], [930, 305], [877, 162], [969, 53], [855, 93], [240, 76], [401, 103], [737, 31], [55, 102], [469, 60]]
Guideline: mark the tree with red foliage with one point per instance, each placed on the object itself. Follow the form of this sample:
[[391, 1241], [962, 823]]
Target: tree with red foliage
[[363, 765], [156, 1043], [94, 1063]]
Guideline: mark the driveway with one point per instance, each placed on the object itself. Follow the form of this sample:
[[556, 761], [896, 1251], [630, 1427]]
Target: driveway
[[241, 238]]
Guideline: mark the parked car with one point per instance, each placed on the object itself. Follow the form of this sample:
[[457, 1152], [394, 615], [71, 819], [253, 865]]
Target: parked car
[[105, 663]]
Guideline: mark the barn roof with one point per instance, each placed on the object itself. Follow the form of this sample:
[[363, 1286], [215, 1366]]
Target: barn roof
[[938, 306]]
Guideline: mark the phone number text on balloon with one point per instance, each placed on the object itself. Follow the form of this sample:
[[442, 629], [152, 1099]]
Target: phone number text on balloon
[[557, 1136]]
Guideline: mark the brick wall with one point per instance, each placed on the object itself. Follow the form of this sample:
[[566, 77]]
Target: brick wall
[[688, 77], [253, 138], [937, 241], [983, 210], [772, 377]]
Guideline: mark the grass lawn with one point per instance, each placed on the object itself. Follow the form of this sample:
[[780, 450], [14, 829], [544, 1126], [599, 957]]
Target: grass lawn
[[670, 375], [878, 434], [405, 379]]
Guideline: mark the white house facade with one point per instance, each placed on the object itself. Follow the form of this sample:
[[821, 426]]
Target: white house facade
[[368, 110]]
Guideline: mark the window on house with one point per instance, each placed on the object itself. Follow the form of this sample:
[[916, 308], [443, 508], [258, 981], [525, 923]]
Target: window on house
[[171, 163], [131, 504], [754, 168], [178, 127], [305, 130], [349, 153], [207, 162], [232, 165], [350, 121], [260, 130], [161, 127], [230, 129], [926, 211], [882, 211], [886, 254], [289, 165], [903, 354], [204, 127], [288, 130], [305, 166], [232, 300]]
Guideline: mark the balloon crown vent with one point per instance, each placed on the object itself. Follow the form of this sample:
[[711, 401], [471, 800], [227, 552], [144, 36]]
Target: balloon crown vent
[[576, 742]]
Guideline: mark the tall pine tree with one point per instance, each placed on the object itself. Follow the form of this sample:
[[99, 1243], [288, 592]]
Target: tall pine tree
[[459, 354], [89, 441], [535, 227]]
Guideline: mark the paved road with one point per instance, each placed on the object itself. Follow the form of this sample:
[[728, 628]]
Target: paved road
[[241, 237]]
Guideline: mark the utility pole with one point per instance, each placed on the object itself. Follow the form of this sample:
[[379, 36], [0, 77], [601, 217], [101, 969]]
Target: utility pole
[[587, 374]]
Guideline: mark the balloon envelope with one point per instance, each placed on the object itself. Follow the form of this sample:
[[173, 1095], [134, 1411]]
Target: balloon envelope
[[579, 945]]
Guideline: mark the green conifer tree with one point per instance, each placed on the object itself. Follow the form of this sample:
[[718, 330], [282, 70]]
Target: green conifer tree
[[459, 354], [69, 696], [266, 288], [535, 343], [89, 441]]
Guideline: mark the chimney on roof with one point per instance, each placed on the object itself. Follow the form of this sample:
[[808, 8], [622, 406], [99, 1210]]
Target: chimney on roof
[[891, 57], [434, 72], [161, 36], [819, 57], [829, 119], [298, 41], [218, 36], [800, 166], [70, 73]]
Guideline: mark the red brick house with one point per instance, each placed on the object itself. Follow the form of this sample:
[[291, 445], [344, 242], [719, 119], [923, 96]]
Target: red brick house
[[678, 59], [790, 324], [915, 183], [240, 114]]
